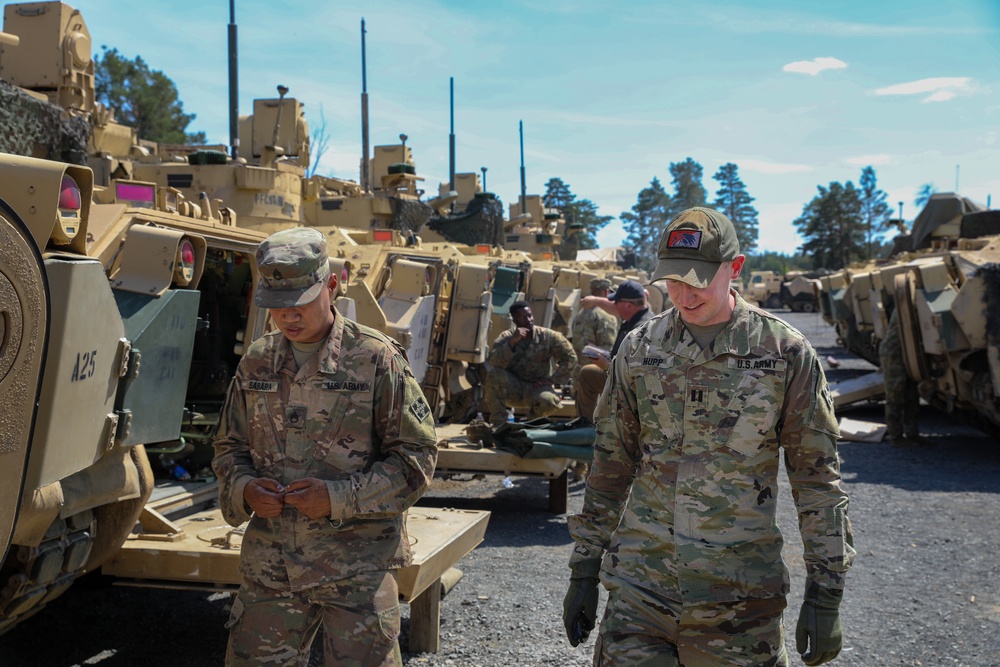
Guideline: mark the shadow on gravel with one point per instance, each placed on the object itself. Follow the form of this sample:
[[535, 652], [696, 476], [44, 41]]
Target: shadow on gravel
[[514, 522], [519, 515], [955, 458], [86, 626]]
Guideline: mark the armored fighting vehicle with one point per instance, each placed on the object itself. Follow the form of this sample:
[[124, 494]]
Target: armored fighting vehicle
[[128, 290], [124, 319], [945, 284]]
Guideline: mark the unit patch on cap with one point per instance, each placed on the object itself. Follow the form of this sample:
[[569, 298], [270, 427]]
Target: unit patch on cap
[[685, 238]]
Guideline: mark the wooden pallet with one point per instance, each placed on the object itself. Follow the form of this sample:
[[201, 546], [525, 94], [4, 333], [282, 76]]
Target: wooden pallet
[[202, 551], [457, 454]]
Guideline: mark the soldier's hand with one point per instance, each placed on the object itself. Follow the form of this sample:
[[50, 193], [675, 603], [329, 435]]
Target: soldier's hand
[[818, 637], [309, 496], [601, 362], [520, 334], [265, 496], [580, 603]]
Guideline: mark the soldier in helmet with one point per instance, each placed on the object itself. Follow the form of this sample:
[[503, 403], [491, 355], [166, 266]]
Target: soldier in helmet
[[678, 520], [324, 440], [527, 361]]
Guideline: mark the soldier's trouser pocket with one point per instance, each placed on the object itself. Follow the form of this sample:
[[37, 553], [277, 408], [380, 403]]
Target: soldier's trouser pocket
[[361, 625], [234, 625]]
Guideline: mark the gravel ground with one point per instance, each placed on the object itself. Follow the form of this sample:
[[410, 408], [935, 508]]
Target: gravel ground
[[924, 590]]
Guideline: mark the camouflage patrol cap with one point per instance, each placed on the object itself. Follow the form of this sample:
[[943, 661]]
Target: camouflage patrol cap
[[696, 242], [293, 267], [598, 284]]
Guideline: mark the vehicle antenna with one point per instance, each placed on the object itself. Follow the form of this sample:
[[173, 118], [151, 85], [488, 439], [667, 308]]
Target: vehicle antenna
[[524, 190], [451, 143], [234, 86], [364, 114]]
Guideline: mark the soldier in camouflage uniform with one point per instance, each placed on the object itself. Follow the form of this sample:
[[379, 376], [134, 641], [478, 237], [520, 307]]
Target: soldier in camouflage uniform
[[324, 441], [592, 326], [902, 400], [678, 520], [522, 373], [629, 303]]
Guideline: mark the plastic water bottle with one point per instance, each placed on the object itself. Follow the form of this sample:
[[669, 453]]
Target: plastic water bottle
[[479, 417], [510, 417], [507, 484]]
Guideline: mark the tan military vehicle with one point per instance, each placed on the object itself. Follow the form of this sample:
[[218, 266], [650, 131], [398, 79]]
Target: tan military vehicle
[[800, 291], [946, 294], [795, 290], [124, 319], [127, 303], [764, 287]]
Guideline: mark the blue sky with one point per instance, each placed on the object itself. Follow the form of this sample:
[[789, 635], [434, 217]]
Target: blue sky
[[796, 94]]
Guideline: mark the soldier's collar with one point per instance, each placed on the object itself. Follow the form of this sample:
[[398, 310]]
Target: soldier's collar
[[329, 356]]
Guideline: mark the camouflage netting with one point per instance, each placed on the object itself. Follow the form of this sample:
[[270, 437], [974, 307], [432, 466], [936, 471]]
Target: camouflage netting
[[981, 223], [38, 129], [991, 276], [480, 222], [409, 215]]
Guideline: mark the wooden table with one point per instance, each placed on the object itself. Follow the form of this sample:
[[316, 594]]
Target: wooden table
[[456, 453], [202, 551]]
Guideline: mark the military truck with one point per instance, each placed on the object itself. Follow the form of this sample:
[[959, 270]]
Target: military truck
[[795, 290], [945, 284]]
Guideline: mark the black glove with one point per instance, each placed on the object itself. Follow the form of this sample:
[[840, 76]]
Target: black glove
[[818, 629], [580, 603]]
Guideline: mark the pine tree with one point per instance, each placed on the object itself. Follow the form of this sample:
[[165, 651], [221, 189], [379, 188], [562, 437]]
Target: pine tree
[[557, 195], [688, 190], [142, 98], [832, 226], [875, 212], [584, 212], [645, 223], [734, 202], [924, 195]]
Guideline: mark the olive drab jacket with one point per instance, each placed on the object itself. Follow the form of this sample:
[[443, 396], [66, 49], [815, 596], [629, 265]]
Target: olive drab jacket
[[683, 489], [354, 416]]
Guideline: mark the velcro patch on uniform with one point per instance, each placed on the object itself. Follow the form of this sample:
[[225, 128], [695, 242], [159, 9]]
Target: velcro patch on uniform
[[260, 385], [684, 238], [652, 361], [420, 409], [331, 385], [758, 364]]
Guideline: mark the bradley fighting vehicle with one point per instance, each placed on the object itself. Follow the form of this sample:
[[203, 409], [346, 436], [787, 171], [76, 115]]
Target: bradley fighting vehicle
[[123, 322], [944, 280], [126, 307]]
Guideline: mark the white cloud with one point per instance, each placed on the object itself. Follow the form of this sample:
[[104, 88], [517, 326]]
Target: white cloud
[[941, 89], [761, 167], [869, 160], [814, 66], [940, 96]]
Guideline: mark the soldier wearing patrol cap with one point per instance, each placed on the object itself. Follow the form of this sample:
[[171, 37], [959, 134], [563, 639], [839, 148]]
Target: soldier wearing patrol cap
[[678, 520], [324, 440]]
